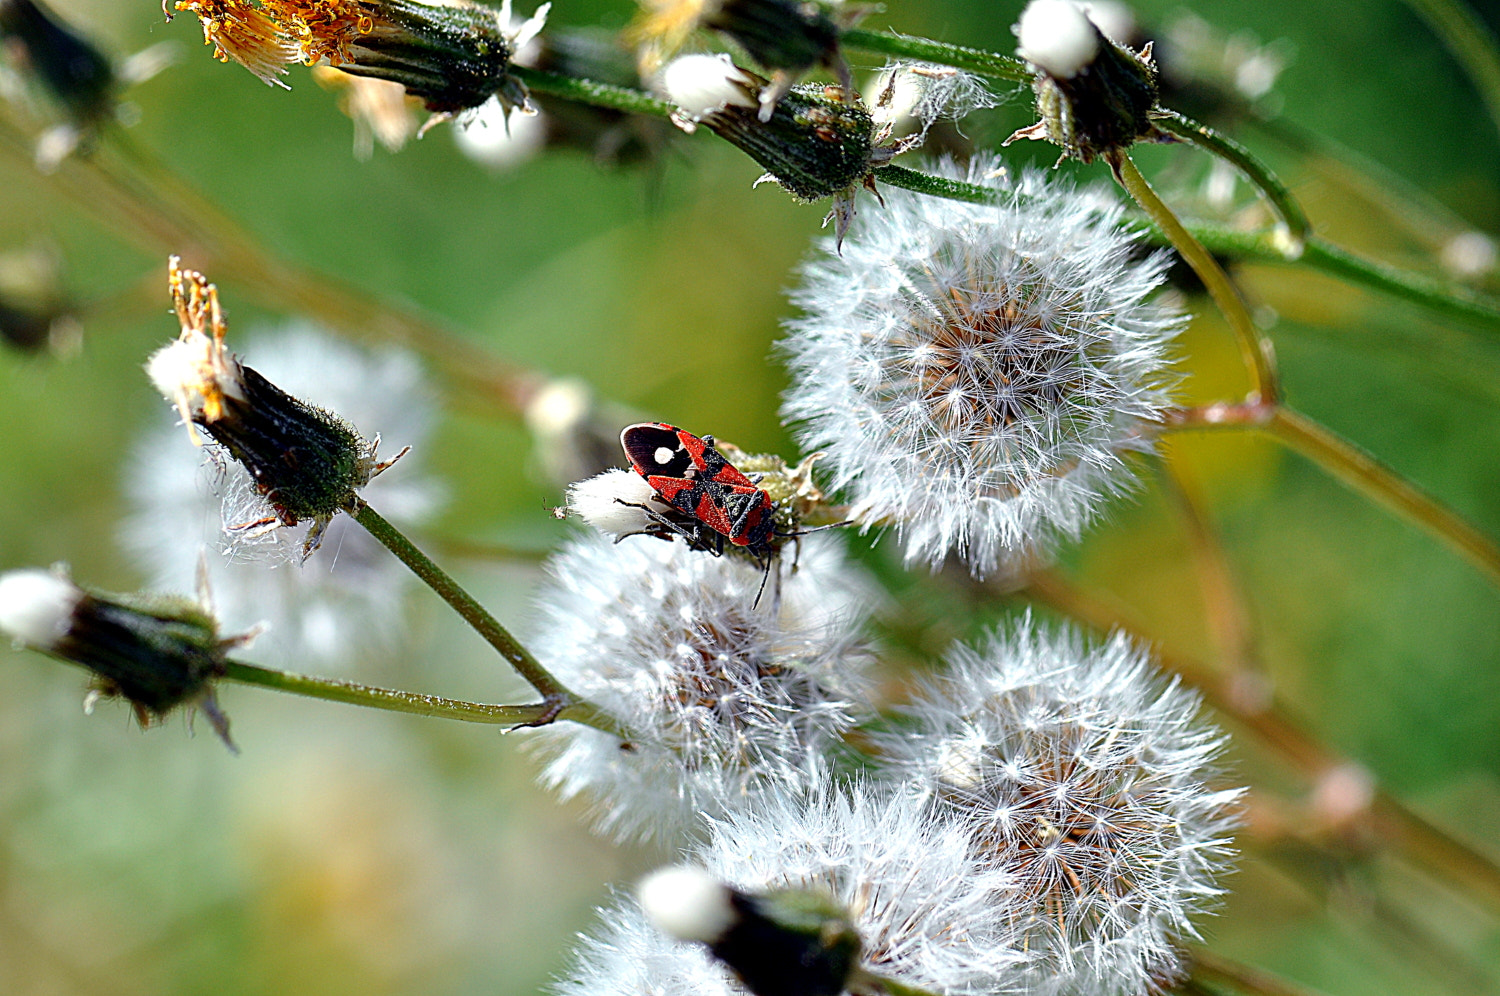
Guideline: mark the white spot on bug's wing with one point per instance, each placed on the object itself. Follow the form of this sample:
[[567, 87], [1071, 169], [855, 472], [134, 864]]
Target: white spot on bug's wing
[[664, 454]]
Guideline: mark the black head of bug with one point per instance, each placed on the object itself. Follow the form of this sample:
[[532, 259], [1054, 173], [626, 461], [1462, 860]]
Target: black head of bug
[[656, 451]]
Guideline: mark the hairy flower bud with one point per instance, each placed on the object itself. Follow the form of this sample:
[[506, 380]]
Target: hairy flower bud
[[1092, 94], [308, 463], [157, 652], [452, 55], [786, 942], [76, 73]]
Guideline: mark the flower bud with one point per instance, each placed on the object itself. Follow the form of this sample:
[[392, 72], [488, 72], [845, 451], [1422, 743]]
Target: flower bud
[[452, 55], [307, 462], [782, 943], [157, 652], [1092, 94], [68, 64]]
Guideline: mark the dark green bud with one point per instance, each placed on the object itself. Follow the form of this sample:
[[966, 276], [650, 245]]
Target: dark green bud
[[814, 144], [156, 652], [71, 68], [779, 34]]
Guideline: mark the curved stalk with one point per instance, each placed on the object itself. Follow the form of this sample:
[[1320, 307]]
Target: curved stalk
[[974, 60], [1365, 474], [555, 695], [1470, 42], [1298, 228], [1253, 348], [388, 699]]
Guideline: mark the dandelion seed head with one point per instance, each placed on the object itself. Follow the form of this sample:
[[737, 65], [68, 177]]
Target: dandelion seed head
[[721, 698], [184, 500], [1085, 774], [975, 373]]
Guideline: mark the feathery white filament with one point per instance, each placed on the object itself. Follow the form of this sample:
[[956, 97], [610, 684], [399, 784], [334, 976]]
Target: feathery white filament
[[612, 502], [687, 903], [1057, 37], [36, 607], [702, 84], [976, 373]]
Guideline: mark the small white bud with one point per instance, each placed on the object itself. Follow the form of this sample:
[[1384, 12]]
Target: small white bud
[[36, 607], [1057, 37], [687, 903], [1469, 254], [499, 140], [610, 502], [702, 84], [1112, 17]]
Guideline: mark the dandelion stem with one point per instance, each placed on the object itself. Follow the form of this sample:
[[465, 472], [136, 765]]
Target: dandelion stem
[[389, 699], [1470, 42], [1211, 968], [992, 64], [1440, 296], [1365, 474], [1257, 172], [561, 703], [1254, 350]]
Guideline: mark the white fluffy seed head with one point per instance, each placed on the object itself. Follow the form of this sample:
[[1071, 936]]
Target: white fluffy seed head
[[722, 699], [1057, 37], [702, 84], [36, 607], [192, 371], [1088, 775], [976, 374], [687, 903], [612, 502]]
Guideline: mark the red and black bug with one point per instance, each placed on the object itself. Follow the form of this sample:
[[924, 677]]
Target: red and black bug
[[688, 473]]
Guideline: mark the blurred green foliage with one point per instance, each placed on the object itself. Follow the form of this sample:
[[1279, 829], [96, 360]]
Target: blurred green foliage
[[352, 852]]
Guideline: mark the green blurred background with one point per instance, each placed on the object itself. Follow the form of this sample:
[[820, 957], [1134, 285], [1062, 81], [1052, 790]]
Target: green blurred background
[[348, 851]]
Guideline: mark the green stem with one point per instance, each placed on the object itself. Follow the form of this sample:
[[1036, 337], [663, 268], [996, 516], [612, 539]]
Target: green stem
[[592, 92], [1253, 350], [391, 700], [1441, 296], [992, 64], [1471, 43], [552, 691], [1363, 473], [1257, 172], [1207, 967]]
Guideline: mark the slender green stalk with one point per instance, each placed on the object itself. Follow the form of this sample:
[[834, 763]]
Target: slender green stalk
[[1207, 967], [555, 695], [1275, 192], [936, 186], [1363, 473], [592, 92], [391, 700], [1253, 350], [1441, 296], [992, 64], [1471, 43]]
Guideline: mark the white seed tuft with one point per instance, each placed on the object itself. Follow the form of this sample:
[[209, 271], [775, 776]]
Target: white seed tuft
[[498, 139], [611, 502], [975, 373], [687, 903], [702, 84], [36, 607], [1057, 37]]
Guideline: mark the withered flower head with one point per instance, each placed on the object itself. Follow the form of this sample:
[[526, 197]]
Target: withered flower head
[[307, 462]]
